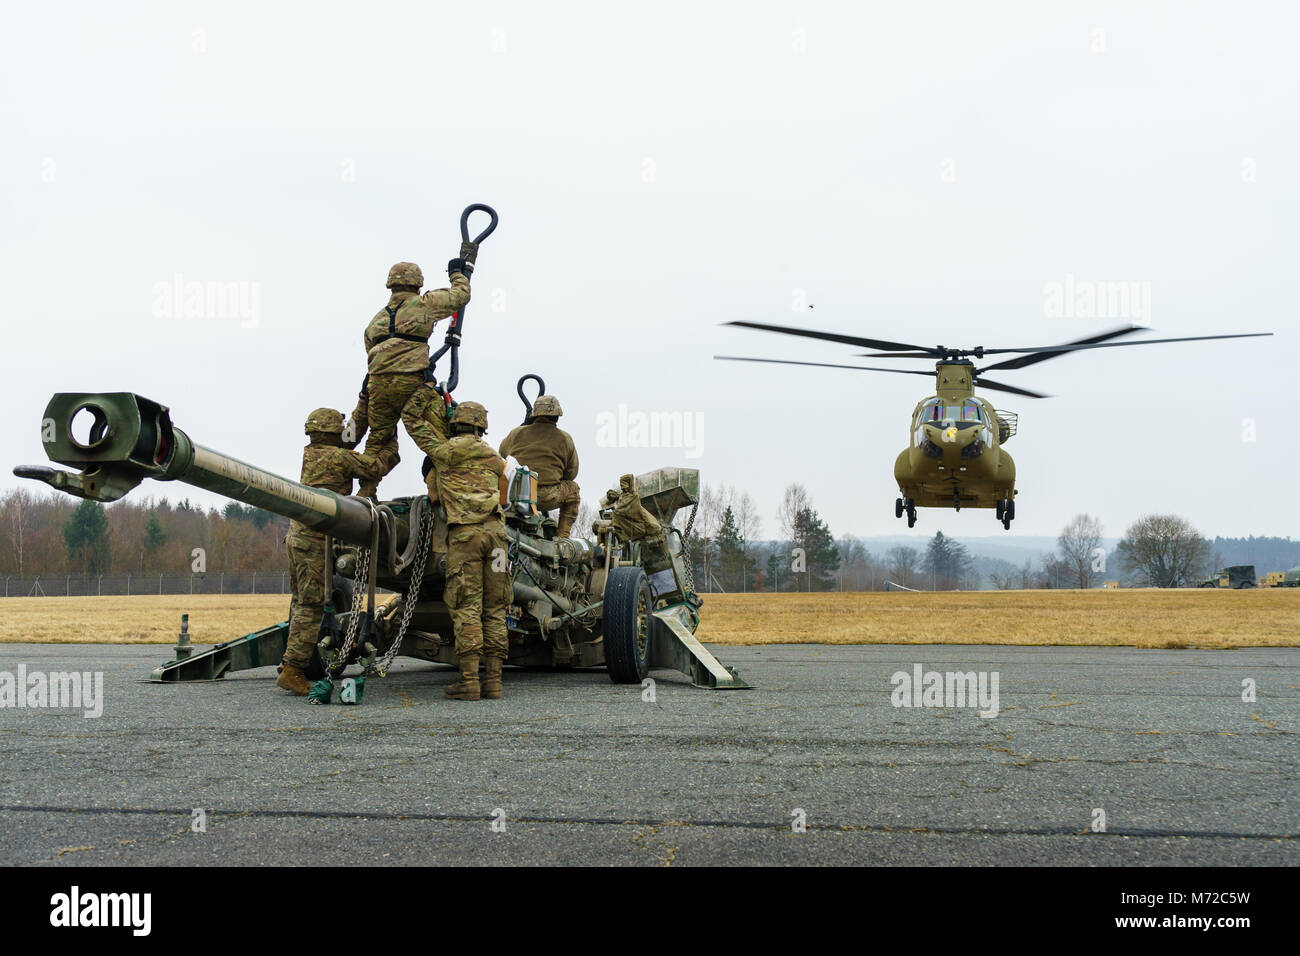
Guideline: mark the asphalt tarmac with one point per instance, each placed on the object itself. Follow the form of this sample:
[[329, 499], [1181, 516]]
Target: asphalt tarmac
[[571, 769]]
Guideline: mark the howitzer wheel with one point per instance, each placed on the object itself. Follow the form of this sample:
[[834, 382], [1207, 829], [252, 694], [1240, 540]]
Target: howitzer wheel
[[628, 609]]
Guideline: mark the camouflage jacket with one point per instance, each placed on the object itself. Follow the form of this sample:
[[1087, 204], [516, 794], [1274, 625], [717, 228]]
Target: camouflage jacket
[[465, 479], [333, 468], [414, 315], [545, 448]]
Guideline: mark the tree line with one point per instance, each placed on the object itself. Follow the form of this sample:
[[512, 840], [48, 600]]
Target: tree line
[[54, 534]]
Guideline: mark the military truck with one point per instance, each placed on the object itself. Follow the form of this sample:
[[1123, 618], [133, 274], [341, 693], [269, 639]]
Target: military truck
[[1237, 576]]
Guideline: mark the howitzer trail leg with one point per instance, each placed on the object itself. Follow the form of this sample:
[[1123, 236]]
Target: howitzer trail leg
[[673, 646]]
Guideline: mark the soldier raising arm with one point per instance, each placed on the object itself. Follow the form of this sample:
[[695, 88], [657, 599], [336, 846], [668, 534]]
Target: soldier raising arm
[[397, 357]]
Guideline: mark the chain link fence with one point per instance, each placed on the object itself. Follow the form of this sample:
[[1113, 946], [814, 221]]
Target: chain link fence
[[80, 585]]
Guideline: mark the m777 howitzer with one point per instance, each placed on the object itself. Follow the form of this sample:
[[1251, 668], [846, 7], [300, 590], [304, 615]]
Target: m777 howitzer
[[627, 605]]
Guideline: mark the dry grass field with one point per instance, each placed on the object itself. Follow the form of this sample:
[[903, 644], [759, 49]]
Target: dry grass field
[[141, 619], [1191, 618], [1140, 618]]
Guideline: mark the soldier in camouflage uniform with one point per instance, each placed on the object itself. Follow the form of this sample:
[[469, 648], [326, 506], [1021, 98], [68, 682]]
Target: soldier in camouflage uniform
[[547, 449], [326, 463], [630, 519], [397, 356], [466, 478]]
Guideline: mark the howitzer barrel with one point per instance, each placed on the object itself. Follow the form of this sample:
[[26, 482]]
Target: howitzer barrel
[[118, 439]]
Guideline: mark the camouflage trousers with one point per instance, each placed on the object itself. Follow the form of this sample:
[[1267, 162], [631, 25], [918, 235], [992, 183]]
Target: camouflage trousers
[[406, 397], [565, 495], [306, 574], [478, 587]]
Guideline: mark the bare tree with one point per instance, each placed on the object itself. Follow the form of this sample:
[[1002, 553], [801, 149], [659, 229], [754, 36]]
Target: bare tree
[[18, 520], [902, 566], [794, 500], [707, 518], [1163, 551], [1077, 542], [582, 525], [1003, 580], [748, 522]]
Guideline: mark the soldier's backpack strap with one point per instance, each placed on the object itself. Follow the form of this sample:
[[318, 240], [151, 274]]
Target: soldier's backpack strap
[[394, 334]]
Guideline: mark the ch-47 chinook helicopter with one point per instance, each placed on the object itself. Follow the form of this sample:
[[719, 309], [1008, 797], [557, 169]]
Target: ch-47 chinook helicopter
[[955, 457]]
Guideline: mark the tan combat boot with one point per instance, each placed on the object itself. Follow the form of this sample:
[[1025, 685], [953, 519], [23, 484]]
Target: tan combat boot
[[368, 489], [492, 678], [293, 679], [564, 525], [467, 688]]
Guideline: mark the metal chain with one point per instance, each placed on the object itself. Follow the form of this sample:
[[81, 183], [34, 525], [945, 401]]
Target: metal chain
[[686, 536], [424, 541], [359, 588]]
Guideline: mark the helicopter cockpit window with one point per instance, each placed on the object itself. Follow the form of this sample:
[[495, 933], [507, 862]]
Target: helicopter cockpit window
[[967, 411]]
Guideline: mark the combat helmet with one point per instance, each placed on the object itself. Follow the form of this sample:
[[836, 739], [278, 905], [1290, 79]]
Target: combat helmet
[[405, 273], [547, 405], [470, 413], [325, 420]]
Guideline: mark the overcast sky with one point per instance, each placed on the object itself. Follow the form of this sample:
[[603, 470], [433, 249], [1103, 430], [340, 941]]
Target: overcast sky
[[924, 172]]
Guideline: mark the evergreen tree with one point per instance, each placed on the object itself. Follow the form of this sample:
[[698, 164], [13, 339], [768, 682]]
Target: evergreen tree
[[86, 535], [821, 555], [947, 562], [154, 535]]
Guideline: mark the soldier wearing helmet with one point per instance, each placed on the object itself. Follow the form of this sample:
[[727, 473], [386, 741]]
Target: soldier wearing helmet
[[397, 357], [466, 478], [327, 462], [547, 449]]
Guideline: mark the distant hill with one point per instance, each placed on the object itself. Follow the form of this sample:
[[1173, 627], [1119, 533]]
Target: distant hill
[[1015, 550]]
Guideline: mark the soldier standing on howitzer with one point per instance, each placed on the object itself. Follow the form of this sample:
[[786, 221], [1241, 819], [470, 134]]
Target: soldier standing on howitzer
[[327, 462], [466, 479], [397, 357], [542, 446]]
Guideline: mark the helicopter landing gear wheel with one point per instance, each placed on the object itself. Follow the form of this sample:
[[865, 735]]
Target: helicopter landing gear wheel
[[909, 505], [1006, 512], [1001, 509], [898, 507], [1011, 509]]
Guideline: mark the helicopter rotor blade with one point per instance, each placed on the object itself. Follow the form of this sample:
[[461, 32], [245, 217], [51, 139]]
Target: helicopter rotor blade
[[864, 368], [1035, 357], [893, 355], [1000, 387], [1054, 350], [842, 339]]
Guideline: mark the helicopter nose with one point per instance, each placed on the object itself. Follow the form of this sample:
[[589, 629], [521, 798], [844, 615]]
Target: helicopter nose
[[951, 435]]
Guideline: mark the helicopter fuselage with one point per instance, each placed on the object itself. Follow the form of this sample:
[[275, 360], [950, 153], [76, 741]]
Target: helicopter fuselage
[[954, 457]]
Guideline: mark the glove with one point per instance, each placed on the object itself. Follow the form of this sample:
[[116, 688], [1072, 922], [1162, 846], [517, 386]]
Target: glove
[[469, 252], [456, 265]]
